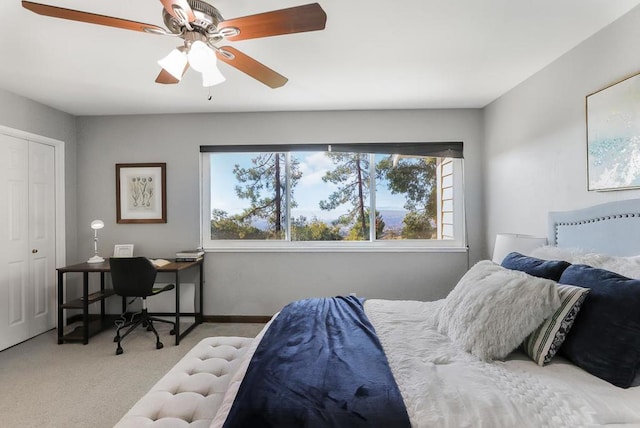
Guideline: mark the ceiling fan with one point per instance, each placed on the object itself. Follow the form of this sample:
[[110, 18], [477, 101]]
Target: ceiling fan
[[201, 27]]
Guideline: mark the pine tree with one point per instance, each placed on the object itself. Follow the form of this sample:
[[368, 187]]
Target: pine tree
[[264, 186], [351, 174]]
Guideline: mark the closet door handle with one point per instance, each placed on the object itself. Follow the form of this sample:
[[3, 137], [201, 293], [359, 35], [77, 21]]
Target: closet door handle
[[35, 250]]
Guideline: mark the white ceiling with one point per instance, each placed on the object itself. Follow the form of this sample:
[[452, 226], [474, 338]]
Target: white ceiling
[[373, 54]]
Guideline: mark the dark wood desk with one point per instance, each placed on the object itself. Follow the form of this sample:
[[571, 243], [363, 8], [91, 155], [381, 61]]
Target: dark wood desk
[[89, 328]]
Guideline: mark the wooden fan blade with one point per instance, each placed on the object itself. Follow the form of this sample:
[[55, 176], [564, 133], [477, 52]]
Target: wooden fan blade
[[250, 66], [167, 78], [171, 6], [297, 19], [91, 18]]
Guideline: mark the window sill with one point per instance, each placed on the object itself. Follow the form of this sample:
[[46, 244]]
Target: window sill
[[316, 247]]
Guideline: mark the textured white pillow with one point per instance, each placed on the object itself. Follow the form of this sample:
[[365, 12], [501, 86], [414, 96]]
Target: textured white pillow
[[627, 266], [492, 309], [551, 252]]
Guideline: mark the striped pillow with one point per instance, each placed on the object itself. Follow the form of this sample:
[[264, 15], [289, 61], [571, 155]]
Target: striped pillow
[[544, 342]]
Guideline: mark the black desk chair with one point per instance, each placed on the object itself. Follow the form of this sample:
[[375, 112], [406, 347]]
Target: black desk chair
[[135, 277]]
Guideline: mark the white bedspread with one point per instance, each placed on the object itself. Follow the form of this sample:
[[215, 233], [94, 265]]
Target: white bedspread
[[443, 386]]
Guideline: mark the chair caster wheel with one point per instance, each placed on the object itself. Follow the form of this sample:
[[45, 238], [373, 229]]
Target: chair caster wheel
[[172, 332], [119, 351], [159, 345]]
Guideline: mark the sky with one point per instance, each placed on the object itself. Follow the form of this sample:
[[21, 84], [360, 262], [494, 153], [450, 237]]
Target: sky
[[309, 190]]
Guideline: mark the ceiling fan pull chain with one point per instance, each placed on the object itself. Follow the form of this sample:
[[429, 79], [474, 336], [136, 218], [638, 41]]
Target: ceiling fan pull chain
[[210, 97]]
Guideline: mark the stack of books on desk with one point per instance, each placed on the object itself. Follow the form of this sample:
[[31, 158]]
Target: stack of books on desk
[[189, 255]]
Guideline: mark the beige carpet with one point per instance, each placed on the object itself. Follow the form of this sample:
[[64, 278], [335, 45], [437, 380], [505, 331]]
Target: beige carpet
[[73, 385]]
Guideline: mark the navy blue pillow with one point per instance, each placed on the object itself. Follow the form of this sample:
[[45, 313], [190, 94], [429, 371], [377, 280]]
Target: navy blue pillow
[[548, 269], [605, 338]]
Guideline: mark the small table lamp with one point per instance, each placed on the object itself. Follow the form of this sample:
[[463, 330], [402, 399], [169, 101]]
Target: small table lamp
[[510, 242], [95, 225]]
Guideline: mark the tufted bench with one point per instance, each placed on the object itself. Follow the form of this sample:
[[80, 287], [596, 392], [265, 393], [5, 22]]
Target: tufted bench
[[191, 392]]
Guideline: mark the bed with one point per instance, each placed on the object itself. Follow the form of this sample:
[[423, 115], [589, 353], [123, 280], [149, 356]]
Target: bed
[[547, 339]]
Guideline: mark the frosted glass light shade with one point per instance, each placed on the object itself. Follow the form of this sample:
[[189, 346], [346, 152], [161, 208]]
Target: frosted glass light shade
[[174, 63], [212, 77], [509, 242], [203, 59], [97, 224]]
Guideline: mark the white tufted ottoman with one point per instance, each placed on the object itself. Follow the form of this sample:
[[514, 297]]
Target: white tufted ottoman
[[191, 392]]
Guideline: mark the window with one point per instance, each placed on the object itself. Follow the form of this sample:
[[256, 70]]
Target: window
[[327, 196]]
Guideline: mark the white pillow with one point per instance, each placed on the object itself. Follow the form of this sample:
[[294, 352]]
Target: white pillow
[[492, 309], [626, 266], [551, 252]]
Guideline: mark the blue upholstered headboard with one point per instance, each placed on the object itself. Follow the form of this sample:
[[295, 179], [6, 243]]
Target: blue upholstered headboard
[[611, 228]]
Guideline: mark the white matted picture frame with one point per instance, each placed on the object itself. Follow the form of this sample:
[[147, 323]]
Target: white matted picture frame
[[141, 195], [123, 250]]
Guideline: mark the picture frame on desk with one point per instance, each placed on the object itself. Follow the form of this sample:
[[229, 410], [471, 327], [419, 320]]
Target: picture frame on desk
[[123, 250], [141, 193]]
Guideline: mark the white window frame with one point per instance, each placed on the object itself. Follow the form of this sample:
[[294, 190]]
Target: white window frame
[[459, 244]]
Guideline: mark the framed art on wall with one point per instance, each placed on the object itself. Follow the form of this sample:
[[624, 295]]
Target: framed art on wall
[[141, 195], [613, 136]]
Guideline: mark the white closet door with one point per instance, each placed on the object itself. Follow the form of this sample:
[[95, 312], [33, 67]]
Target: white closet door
[[27, 239], [14, 238], [42, 213]]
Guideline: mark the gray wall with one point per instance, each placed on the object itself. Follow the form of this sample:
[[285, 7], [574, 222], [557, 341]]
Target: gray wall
[[535, 135], [260, 283], [26, 115]]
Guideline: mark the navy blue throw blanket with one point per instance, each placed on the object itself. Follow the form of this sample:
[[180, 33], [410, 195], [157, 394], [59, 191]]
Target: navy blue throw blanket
[[320, 364]]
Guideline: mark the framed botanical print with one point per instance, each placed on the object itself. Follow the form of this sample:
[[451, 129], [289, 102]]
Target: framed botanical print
[[141, 195]]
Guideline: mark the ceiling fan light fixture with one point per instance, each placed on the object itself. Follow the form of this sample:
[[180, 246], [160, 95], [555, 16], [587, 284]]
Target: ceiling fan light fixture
[[212, 77], [199, 23], [201, 57], [174, 63]]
